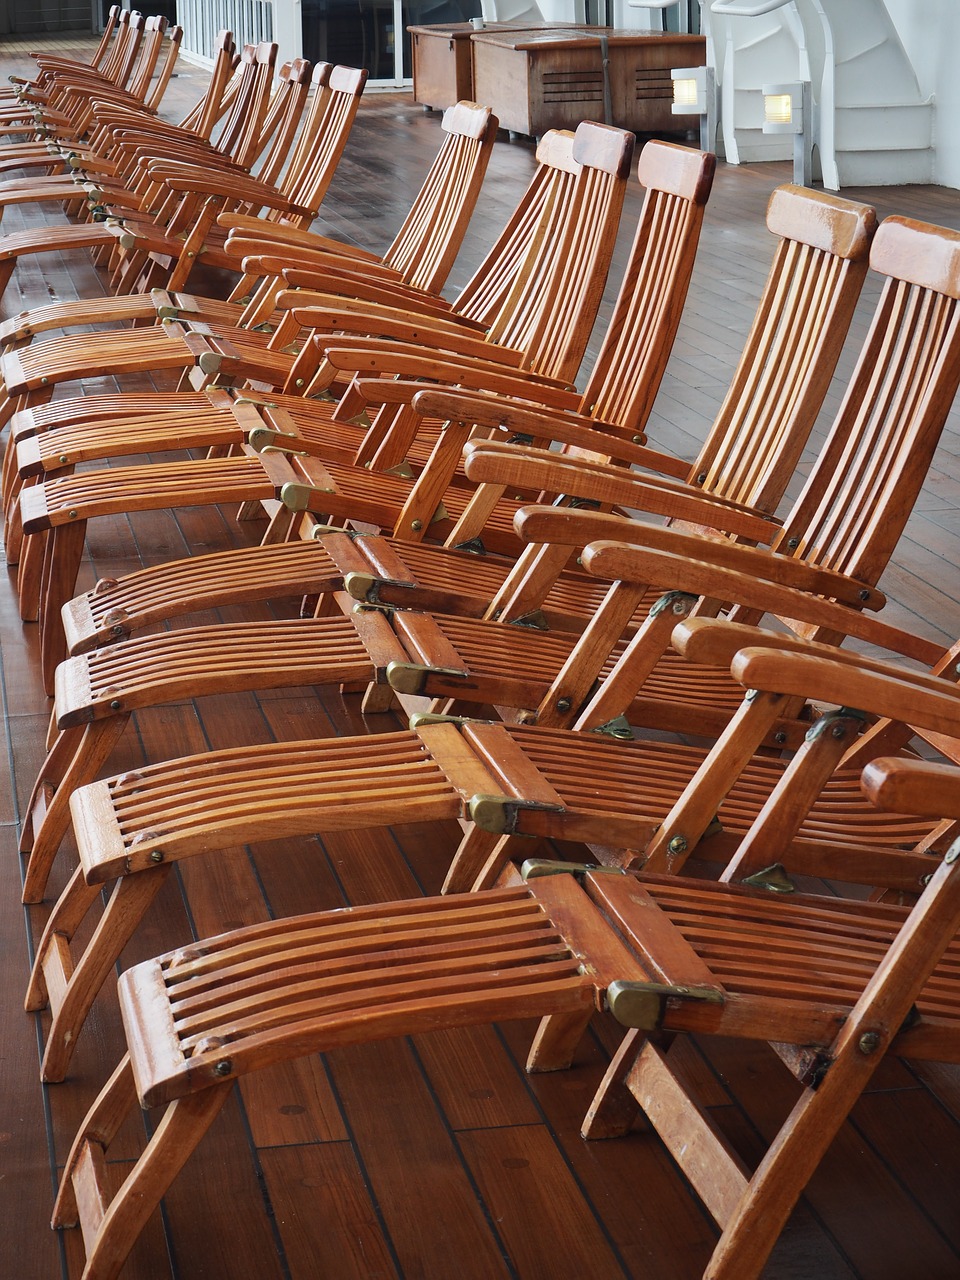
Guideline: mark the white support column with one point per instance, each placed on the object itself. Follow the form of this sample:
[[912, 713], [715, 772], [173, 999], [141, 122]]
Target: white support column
[[288, 28]]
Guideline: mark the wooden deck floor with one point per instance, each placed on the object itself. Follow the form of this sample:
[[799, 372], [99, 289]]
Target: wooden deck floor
[[439, 1157]]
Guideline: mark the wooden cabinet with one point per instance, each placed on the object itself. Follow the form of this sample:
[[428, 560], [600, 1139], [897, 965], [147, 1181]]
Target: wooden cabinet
[[537, 80]]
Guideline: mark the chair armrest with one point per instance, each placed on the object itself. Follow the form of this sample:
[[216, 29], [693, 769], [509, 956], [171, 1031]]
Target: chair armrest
[[766, 567], [884, 689], [716, 641], [609, 485], [924, 787]]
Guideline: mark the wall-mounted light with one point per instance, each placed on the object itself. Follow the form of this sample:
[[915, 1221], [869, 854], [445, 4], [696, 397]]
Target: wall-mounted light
[[695, 94], [787, 108]]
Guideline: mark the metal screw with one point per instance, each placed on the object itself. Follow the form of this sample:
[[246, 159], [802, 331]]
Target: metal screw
[[864, 594], [839, 731], [780, 737], [678, 844], [156, 855], [564, 704], [416, 525], [116, 704], [869, 1042], [223, 1067], [72, 514], [64, 459]]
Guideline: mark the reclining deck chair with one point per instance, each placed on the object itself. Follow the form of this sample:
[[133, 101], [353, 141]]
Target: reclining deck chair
[[531, 780], [545, 316], [205, 1015]]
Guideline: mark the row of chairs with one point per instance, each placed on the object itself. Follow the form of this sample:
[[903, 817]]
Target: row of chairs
[[830, 979]]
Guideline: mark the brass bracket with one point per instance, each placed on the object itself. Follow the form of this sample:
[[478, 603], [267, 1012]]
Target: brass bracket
[[642, 1004], [618, 727], [679, 602], [473, 545], [535, 620], [535, 868], [498, 815], [773, 878], [411, 677], [832, 722]]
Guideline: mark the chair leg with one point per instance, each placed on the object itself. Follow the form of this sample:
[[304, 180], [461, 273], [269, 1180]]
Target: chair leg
[[111, 1227], [28, 553], [614, 1108], [73, 989], [74, 760], [480, 858], [61, 566]]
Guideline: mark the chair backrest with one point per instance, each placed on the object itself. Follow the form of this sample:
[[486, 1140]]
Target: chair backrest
[[865, 482], [123, 56], [793, 347], [322, 139], [283, 117], [633, 358], [205, 113], [424, 249], [151, 46], [110, 26], [240, 130], [485, 292], [550, 306], [153, 99]]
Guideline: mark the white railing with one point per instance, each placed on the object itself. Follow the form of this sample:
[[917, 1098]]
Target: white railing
[[250, 21]]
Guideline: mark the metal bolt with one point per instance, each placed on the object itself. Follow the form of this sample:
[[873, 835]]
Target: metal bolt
[[793, 543], [64, 459], [637, 439], [864, 594], [416, 525], [839, 731], [869, 1042], [702, 478], [116, 704], [564, 704], [678, 844], [223, 1067], [780, 738], [156, 855], [72, 514]]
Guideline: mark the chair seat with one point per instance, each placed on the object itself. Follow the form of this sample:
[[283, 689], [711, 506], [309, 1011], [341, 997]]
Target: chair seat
[[117, 607], [343, 977]]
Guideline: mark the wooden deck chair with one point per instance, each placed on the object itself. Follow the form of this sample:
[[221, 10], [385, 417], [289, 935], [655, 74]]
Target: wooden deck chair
[[548, 313], [852, 508], [198, 1018], [99, 234], [516, 784], [118, 608]]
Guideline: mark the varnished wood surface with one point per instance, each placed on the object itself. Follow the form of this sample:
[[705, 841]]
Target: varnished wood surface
[[440, 1157]]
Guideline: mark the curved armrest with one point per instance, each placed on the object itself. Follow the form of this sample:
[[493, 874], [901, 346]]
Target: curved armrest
[[200, 181], [755, 563], [609, 484], [885, 690], [642, 563], [714, 642], [279, 235], [913, 786]]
